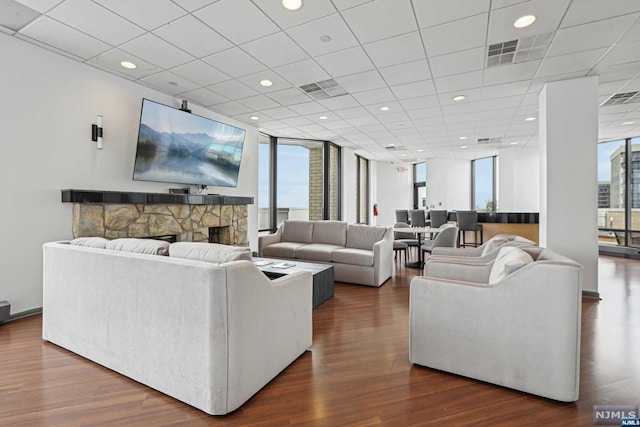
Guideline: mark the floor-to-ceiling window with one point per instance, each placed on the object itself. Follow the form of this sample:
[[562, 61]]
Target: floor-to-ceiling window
[[363, 190], [483, 179], [332, 182], [420, 185], [264, 183]]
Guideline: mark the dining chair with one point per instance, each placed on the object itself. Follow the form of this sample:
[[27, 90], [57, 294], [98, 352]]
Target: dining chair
[[439, 217], [409, 239], [446, 238], [417, 217], [468, 221], [402, 215]]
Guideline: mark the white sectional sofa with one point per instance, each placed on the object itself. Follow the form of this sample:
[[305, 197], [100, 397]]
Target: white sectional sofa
[[208, 333], [361, 254], [514, 321]]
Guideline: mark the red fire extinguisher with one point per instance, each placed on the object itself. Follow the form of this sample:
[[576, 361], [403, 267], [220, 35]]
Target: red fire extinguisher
[[375, 209]]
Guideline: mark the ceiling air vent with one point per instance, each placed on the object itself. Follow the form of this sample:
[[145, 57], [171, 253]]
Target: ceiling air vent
[[496, 140], [623, 98], [15, 16], [517, 51], [323, 89]]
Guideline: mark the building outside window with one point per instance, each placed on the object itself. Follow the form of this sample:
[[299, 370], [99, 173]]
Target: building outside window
[[420, 185], [483, 180], [363, 190]]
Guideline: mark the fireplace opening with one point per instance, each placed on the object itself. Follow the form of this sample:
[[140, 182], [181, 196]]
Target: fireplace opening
[[221, 235]]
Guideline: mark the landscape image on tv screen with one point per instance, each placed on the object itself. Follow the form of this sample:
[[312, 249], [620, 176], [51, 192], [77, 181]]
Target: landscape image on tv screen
[[179, 147]]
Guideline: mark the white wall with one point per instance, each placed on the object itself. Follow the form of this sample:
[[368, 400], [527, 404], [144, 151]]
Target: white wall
[[349, 185], [394, 191], [518, 180], [48, 105], [448, 184]]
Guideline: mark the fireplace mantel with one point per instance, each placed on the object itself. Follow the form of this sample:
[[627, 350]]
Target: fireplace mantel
[[185, 217]]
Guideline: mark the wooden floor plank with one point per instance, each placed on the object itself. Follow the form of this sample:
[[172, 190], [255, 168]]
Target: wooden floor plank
[[356, 373]]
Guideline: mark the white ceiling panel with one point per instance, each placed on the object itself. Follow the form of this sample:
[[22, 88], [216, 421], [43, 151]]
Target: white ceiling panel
[[297, 121], [153, 49], [65, 38], [459, 82], [396, 50], [193, 36], [311, 36], [277, 82], [414, 89], [430, 15], [380, 19], [259, 102], [607, 73], [633, 35], [233, 89], [169, 83], [280, 113], [448, 38], [570, 63], [275, 50], [204, 96], [339, 102], [361, 82], [111, 60], [581, 12], [148, 14], [350, 113], [622, 53], [310, 11], [505, 90], [193, 5], [200, 73], [231, 108], [308, 108], [374, 96], [458, 62], [510, 73], [289, 96], [548, 14], [345, 62], [235, 62], [238, 20], [94, 19], [40, 5], [419, 103], [406, 73], [303, 72]]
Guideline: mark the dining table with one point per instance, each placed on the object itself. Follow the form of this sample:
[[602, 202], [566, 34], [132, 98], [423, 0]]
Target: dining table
[[420, 232]]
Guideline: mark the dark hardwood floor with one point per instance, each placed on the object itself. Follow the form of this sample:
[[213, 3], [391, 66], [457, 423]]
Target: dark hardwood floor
[[356, 373]]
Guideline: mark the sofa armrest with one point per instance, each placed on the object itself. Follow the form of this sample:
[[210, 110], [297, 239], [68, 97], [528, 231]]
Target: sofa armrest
[[268, 239], [383, 257], [457, 269], [457, 252]]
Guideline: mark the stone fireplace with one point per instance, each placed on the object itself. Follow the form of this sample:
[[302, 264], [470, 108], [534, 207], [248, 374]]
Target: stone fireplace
[[176, 217]]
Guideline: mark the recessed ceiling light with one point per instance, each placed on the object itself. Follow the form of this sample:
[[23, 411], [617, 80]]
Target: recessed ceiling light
[[266, 83], [524, 21], [628, 123], [129, 65], [292, 4], [403, 155], [530, 119], [420, 150], [514, 143], [463, 147], [254, 118], [323, 117], [385, 108], [459, 98], [390, 145], [462, 138], [325, 38]]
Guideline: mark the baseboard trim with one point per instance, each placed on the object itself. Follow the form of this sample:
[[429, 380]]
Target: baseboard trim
[[23, 314], [591, 294]]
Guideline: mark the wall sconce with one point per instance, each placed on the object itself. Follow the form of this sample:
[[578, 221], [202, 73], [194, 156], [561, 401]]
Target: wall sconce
[[96, 132]]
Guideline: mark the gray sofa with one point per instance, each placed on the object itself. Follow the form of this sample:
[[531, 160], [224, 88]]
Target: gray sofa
[[361, 254]]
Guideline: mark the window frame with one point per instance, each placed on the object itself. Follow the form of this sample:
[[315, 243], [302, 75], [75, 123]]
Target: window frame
[[494, 187]]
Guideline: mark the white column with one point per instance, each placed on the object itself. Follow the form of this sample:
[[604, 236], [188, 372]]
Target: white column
[[568, 135]]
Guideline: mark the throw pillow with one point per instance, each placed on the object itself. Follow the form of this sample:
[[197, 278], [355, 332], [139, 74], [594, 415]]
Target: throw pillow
[[91, 242], [141, 246], [209, 252], [509, 260]]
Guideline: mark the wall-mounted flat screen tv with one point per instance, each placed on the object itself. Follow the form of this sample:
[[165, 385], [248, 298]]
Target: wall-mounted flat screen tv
[[179, 147]]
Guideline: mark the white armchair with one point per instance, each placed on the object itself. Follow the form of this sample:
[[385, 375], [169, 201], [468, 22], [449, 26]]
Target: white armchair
[[514, 321]]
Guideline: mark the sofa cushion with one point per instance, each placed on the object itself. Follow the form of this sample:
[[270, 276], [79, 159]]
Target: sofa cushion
[[353, 256], [92, 242], [141, 246], [297, 231], [361, 236], [210, 252], [316, 252], [492, 245], [281, 249], [330, 232], [509, 259]]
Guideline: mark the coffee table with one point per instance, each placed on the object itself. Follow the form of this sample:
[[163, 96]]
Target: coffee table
[[322, 275]]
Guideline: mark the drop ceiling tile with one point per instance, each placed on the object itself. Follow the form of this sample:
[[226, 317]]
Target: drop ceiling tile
[[303, 72], [570, 63], [277, 82], [231, 108], [589, 36], [233, 89], [459, 62], [336, 125], [396, 50], [311, 128], [374, 96], [622, 53], [312, 10], [414, 89], [607, 73], [361, 82], [380, 19], [204, 97], [275, 50], [510, 73], [459, 82], [505, 90], [419, 103], [192, 5], [91, 18], [111, 60], [201, 73], [169, 83], [633, 35], [53, 33], [157, 51], [406, 73], [238, 20], [339, 102], [235, 62], [289, 96], [451, 10], [280, 113], [297, 121], [259, 102], [548, 13], [40, 5], [393, 117], [345, 62], [193, 36], [350, 113], [448, 38], [588, 11], [308, 108], [393, 106], [309, 35], [148, 14], [363, 121]]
